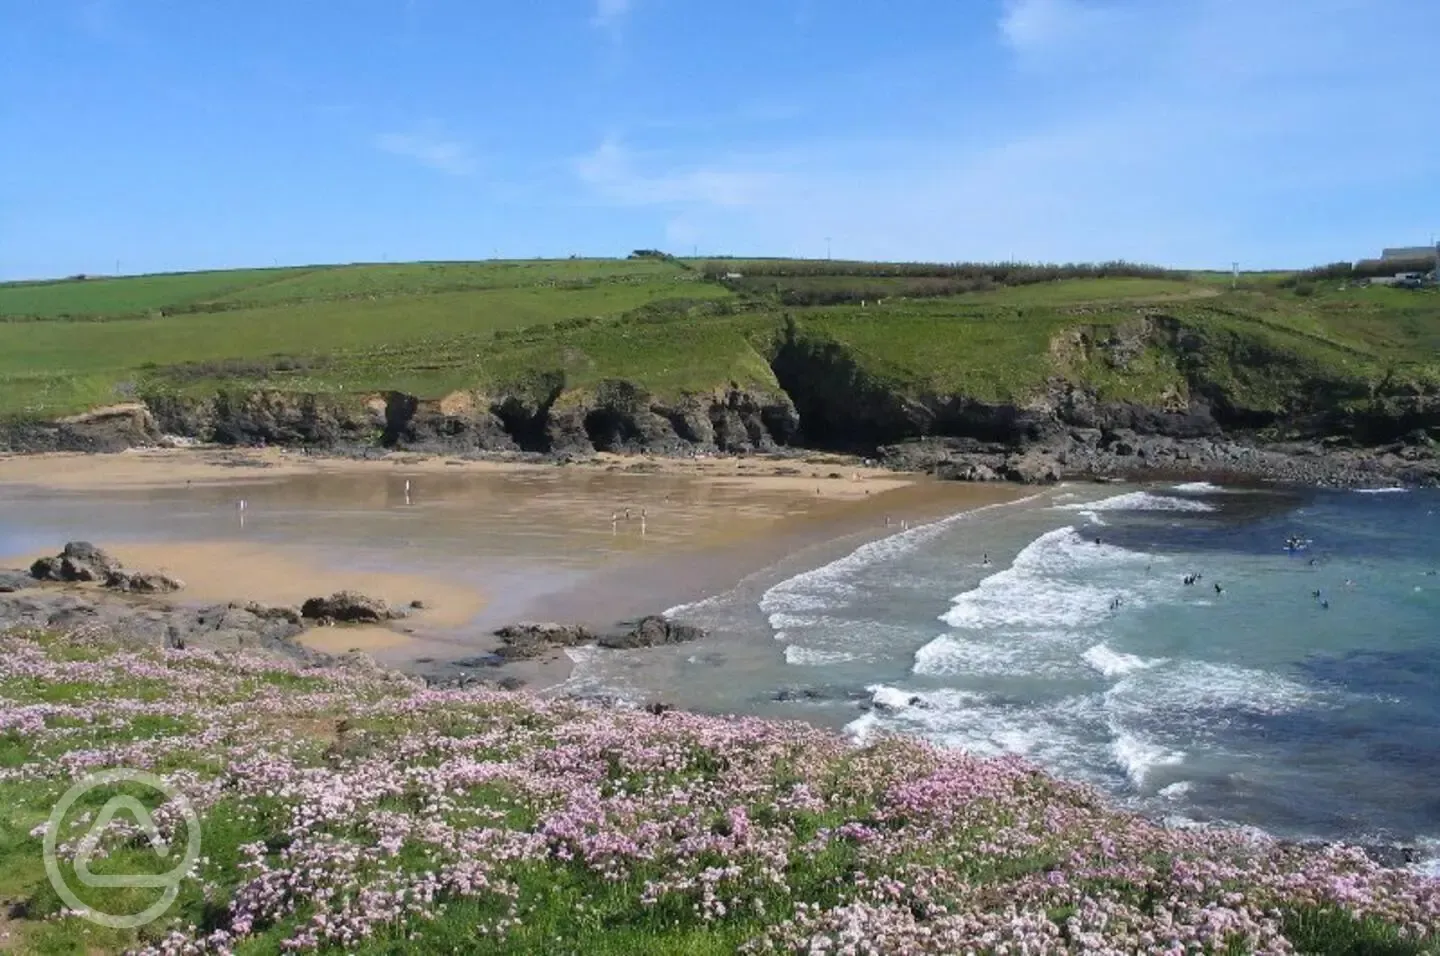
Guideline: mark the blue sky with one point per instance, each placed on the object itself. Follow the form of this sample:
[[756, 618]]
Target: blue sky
[[170, 135]]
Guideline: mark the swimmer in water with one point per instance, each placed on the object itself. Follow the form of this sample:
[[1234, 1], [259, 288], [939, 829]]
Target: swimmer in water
[[985, 561], [1218, 588]]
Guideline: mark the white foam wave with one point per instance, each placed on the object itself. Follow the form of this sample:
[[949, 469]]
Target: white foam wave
[[891, 698], [1042, 589], [1175, 790], [1197, 488], [1113, 663], [818, 589], [810, 657], [589, 676], [1381, 491], [1137, 757], [1166, 694], [1094, 518], [1040, 654], [862, 728], [1429, 852], [1067, 735], [693, 606], [1139, 501]]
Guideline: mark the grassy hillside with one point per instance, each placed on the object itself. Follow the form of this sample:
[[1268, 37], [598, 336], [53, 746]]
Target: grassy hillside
[[342, 810], [676, 327]]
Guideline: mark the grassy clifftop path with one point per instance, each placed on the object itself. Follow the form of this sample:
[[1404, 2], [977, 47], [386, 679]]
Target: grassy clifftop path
[[662, 354]]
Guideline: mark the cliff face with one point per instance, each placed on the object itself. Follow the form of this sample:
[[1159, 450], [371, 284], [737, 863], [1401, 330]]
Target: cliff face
[[619, 416], [1155, 377]]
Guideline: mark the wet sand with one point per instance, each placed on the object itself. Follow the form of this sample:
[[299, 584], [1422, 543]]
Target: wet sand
[[480, 543], [827, 476]]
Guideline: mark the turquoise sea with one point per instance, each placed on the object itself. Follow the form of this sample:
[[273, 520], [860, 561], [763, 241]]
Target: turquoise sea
[[1062, 629]]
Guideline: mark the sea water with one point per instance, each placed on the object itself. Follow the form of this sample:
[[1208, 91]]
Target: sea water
[[1062, 629]]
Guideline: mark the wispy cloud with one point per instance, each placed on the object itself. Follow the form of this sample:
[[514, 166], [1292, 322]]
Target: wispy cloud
[[1029, 25], [610, 14], [438, 153], [613, 172], [1173, 133]]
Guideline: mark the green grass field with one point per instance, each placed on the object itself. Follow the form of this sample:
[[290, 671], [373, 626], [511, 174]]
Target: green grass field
[[432, 328]]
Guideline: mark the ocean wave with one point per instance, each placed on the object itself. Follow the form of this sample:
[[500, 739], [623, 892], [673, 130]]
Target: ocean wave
[[1038, 654], [862, 728], [1197, 488], [1137, 757], [1198, 688], [1381, 491], [811, 657], [818, 589], [1069, 735], [588, 676], [1139, 501], [1038, 590], [1113, 663], [1175, 790]]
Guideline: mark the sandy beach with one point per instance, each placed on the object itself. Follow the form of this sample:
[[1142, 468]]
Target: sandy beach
[[826, 476], [478, 543]]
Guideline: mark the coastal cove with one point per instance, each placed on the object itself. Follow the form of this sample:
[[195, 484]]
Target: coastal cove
[[1051, 623]]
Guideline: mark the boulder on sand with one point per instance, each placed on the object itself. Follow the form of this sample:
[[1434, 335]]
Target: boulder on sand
[[349, 607], [530, 639], [79, 561], [652, 631], [142, 582]]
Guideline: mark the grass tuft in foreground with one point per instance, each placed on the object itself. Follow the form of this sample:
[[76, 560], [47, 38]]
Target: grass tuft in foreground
[[347, 809]]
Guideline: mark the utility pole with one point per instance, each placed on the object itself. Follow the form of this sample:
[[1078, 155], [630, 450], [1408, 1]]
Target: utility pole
[[827, 248], [1234, 276]]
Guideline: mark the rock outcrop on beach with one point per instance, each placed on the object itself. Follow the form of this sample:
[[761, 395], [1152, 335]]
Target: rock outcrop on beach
[[12, 581], [349, 607], [652, 631], [79, 561], [142, 582], [530, 639], [228, 626]]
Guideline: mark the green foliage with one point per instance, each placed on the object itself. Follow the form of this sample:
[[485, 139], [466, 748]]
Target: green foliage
[[569, 325]]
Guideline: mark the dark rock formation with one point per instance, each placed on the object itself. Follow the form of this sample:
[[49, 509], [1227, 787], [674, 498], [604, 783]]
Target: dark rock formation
[[349, 607], [79, 561], [142, 582], [269, 417], [111, 429], [11, 581], [530, 639], [224, 626], [457, 423], [651, 631]]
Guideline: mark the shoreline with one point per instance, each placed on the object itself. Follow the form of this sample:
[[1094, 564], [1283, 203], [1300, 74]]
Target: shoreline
[[750, 513]]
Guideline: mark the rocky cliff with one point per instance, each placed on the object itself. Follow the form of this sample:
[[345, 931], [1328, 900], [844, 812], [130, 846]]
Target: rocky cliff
[[1150, 395]]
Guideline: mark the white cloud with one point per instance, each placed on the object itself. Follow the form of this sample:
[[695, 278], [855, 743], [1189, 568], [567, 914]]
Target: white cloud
[[1037, 26], [1182, 134], [609, 14], [439, 153], [611, 171]]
